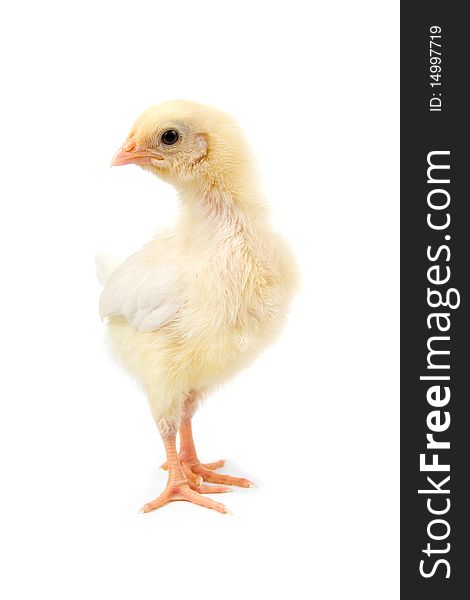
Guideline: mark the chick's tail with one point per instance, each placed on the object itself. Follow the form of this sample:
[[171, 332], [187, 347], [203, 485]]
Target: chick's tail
[[105, 265]]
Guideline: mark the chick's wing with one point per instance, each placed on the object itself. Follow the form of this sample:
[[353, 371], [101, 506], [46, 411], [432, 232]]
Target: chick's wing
[[146, 292]]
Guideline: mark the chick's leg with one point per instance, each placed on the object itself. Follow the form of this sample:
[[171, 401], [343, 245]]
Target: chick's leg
[[190, 461], [188, 457], [179, 487], [194, 470]]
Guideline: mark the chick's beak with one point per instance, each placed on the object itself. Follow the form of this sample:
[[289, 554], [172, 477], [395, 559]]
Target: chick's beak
[[129, 153]]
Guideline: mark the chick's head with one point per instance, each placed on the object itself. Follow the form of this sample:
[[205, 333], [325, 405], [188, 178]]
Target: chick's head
[[183, 141]]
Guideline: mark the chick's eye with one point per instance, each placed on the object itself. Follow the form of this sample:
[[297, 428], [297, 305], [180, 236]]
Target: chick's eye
[[170, 137]]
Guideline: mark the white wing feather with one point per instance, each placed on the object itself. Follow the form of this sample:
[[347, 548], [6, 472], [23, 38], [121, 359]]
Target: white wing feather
[[147, 295], [105, 265]]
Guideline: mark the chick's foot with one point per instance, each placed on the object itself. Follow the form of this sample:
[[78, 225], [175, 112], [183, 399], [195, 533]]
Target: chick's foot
[[183, 461], [197, 472], [188, 460], [211, 477], [180, 487], [187, 463], [183, 490]]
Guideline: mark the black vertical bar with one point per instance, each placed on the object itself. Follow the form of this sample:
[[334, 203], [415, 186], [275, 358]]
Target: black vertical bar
[[443, 129]]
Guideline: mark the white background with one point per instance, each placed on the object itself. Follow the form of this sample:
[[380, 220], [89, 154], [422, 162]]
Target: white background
[[315, 421]]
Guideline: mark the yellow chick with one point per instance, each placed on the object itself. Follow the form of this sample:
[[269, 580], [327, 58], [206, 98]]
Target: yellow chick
[[199, 302]]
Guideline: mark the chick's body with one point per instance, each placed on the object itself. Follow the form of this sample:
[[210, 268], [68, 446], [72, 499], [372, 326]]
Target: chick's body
[[230, 298], [199, 302]]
